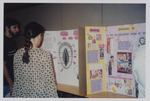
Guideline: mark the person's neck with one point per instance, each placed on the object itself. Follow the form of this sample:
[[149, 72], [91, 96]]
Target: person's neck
[[8, 35], [34, 47]]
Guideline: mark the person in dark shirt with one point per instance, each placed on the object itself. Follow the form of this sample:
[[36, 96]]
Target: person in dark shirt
[[11, 29]]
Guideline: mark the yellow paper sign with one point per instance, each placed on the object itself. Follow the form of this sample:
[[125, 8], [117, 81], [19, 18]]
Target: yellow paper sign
[[130, 28]]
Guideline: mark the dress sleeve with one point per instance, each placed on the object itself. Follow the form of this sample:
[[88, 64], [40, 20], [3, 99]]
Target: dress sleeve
[[49, 73], [49, 68]]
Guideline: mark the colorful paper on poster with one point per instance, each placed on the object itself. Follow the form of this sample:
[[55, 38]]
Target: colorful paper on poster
[[122, 86], [92, 56], [96, 71], [96, 86], [92, 40], [124, 45], [48, 43]]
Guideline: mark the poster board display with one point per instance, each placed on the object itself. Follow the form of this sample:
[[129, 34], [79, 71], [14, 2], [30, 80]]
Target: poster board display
[[64, 47], [95, 59], [118, 45], [122, 43]]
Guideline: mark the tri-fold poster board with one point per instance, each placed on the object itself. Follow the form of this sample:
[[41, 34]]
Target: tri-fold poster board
[[96, 59], [64, 47]]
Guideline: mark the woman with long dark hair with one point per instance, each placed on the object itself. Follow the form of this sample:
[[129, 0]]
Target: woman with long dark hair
[[33, 71]]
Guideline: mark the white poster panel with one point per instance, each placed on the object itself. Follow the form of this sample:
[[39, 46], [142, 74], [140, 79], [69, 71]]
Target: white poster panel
[[63, 45]]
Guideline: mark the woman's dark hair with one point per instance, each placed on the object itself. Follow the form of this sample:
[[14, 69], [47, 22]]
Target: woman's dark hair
[[31, 30]]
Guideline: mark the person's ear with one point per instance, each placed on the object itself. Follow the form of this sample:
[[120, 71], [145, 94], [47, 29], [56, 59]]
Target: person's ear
[[39, 35]]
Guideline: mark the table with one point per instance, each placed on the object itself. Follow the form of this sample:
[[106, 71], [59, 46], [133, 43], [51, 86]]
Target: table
[[70, 89], [108, 95]]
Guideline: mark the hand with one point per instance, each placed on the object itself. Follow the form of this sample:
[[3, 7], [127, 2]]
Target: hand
[[11, 88]]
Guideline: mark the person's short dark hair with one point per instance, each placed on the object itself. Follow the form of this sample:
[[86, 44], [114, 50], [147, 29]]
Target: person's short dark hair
[[10, 22]]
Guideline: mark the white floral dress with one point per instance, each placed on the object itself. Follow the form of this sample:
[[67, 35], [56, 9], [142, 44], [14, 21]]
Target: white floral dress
[[35, 79]]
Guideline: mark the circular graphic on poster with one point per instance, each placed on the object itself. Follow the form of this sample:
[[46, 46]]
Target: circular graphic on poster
[[140, 41], [65, 55]]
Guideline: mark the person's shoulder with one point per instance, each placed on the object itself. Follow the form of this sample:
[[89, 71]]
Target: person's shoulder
[[45, 52], [20, 50]]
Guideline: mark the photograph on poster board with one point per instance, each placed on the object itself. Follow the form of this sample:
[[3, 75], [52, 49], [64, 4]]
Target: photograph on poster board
[[124, 64], [101, 53], [110, 65], [141, 41], [96, 71]]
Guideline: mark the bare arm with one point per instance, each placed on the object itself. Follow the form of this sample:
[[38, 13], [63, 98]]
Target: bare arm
[[7, 76], [53, 69]]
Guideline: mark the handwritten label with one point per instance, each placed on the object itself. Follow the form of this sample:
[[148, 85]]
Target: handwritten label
[[131, 28], [94, 30]]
